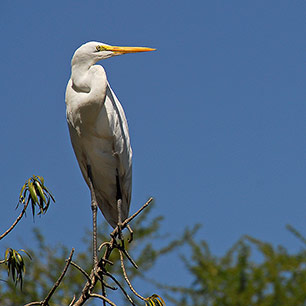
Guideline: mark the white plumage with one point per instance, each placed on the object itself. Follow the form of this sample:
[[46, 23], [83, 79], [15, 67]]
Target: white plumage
[[98, 128]]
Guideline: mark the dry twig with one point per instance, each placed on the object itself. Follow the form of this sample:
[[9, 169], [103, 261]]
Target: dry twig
[[16, 221], [95, 276], [45, 302]]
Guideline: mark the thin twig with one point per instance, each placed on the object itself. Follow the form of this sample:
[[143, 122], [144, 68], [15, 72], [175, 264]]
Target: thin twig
[[17, 220], [109, 286], [94, 275], [131, 233], [129, 258], [82, 270], [126, 278], [46, 300], [107, 261], [100, 273], [99, 296], [103, 244], [71, 303], [103, 292], [129, 219], [119, 285]]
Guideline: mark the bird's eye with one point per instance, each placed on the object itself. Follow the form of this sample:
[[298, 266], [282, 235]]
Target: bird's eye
[[100, 48]]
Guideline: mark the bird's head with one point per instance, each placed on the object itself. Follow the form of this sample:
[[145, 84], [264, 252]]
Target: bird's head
[[92, 52]]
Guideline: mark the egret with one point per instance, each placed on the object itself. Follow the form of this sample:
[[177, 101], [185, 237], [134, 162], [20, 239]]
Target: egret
[[99, 131]]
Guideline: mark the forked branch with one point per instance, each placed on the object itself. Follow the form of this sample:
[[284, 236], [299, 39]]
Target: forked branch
[[101, 271]]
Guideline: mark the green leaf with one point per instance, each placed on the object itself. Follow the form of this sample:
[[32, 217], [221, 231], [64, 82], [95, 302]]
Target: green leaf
[[24, 251], [32, 191], [33, 207], [158, 301], [49, 193], [155, 299], [40, 191], [21, 197], [6, 255], [41, 179]]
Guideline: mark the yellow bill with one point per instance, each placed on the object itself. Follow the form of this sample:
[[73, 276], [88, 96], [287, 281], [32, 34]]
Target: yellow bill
[[123, 50]]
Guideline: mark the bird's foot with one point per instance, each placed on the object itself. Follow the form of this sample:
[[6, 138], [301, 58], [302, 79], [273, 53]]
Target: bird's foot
[[117, 232]]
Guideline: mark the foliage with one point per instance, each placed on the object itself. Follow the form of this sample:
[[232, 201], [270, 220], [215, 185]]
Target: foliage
[[48, 261], [155, 300], [237, 279], [15, 264], [234, 279], [35, 192]]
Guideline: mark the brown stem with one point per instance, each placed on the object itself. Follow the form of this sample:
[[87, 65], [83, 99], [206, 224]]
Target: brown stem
[[129, 219], [94, 275], [126, 278], [82, 270], [102, 298], [122, 289], [17, 220], [46, 300]]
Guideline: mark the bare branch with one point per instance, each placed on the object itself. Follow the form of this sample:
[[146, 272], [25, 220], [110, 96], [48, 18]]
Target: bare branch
[[126, 278], [82, 270], [99, 296], [129, 219], [97, 275], [71, 303], [129, 258], [16, 221], [46, 300], [122, 289], [103, 244]]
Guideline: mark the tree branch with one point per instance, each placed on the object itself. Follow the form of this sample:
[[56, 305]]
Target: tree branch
[[16, 221], [82, 270], [102, 298], [126, 278], [101, 270], [119, 285], [45, 302], [128, 220]]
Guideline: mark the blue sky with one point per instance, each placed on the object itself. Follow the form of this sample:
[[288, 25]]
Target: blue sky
[[216, 115]]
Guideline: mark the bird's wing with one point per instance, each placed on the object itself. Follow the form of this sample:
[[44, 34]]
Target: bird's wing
[[122, 147]]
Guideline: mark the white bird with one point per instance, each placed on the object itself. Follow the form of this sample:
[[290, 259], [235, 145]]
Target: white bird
[[99, 130]]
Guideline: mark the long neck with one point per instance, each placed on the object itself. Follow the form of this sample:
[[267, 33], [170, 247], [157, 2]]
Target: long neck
[[92, 81], [80, 77]]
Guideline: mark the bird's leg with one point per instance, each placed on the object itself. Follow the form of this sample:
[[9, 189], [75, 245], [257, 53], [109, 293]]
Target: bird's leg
[[119, 225], [94, 208], [119, 207], [118, 229]]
